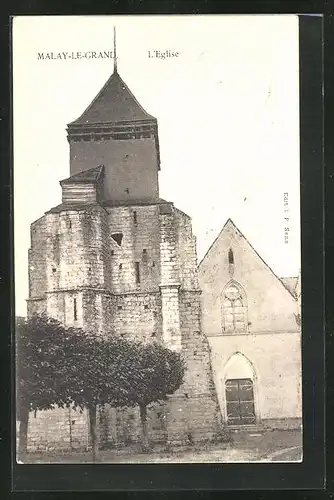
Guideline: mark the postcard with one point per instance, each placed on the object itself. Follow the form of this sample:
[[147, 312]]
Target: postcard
[[157, 239]]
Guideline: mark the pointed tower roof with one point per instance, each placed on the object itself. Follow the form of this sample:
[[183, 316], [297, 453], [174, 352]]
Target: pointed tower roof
[[114, 103]]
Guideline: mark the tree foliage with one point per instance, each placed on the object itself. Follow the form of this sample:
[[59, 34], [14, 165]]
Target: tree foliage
[[156, 373], [98, 369], [58, 366], [39, 369], [39, 363]]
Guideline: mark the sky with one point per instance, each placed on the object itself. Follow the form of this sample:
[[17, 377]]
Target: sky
[[227, 110]]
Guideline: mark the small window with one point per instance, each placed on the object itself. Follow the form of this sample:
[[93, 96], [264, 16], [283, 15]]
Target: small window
[[75, 312], [120, 267], [117, 237], [135, 220], [230, 257], [137, 269]]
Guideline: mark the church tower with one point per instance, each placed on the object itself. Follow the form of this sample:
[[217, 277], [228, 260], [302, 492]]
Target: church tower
[[115, 258], [117, 132]]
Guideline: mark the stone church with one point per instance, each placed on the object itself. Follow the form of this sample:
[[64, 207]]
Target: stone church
[[252, 321], [115, 258]]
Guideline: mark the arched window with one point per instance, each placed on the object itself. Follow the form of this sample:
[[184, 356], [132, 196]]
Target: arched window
[[234, 308]]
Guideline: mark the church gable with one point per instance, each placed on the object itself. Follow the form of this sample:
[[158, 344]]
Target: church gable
[[240, 293]]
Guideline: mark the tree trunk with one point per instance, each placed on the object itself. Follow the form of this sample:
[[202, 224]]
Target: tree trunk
[[93, 432], [144, 430], [23, 433]]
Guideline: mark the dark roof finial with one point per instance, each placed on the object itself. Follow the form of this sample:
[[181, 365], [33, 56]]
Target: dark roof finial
[[115, 56]]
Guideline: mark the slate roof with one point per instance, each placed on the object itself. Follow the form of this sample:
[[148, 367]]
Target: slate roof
[[114, 103], [91, 175]]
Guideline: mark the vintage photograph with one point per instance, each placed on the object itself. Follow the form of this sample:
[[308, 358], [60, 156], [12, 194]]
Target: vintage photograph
[[157, 239]]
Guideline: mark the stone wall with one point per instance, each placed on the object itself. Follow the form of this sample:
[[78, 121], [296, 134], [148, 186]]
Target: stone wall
[[136, 228], [58, 429], [204, 421], [130, 271], [170, 278], [122, 427], [37, 263], [186, 251], [137, 315]]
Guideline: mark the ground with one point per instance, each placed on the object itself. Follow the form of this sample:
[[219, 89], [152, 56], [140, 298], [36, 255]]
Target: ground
[[268, 446]]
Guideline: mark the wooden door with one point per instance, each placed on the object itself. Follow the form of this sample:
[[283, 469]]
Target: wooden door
[[240, 401]]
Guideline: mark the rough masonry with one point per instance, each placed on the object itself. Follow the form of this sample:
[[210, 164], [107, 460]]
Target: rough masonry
[[116, 259]]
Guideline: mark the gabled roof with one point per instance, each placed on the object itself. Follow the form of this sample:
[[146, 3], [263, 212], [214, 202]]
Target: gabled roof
[[91, 175], [114, 103], [230, 223]]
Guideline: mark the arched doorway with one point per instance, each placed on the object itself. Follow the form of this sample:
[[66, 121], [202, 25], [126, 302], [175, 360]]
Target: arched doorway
[[239, 389]]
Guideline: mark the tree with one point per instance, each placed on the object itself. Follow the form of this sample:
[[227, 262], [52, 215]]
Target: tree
[[156, 373], [58, 366], [64, 367], [39, 356], [121, 373], [99, 369]]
